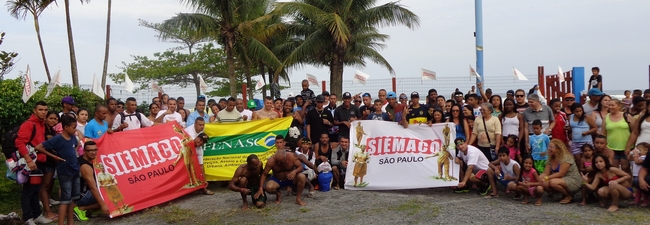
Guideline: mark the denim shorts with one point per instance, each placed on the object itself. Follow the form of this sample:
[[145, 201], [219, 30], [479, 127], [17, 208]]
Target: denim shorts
[[620, 154], [86, 199], [69, 188]]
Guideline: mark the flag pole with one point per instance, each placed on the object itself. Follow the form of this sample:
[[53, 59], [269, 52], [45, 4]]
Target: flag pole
[[478, 20]]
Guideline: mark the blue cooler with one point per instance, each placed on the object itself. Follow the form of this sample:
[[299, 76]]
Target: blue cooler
[[325, 181]]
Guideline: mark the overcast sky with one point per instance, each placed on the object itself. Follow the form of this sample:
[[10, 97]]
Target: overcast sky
[[611, 34]]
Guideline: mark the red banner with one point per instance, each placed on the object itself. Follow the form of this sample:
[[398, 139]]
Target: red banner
[[141, 168]]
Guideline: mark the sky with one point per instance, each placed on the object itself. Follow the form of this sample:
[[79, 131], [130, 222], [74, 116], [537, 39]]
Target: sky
[[611, 34]]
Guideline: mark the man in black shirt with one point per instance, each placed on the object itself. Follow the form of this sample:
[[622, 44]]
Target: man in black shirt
[[90, 197], [520, 100], [345, 114], [416, 113], [319, 120], [367, 108]]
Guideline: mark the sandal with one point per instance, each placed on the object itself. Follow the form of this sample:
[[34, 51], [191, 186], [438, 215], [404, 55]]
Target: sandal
[[207, 192], [311, 194], [336, 187], [566, 201]]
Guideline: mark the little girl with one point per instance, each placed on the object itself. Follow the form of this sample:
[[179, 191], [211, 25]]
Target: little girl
[[616, 183], [512, 143], [637, 156], [586, 168], [529, 184]]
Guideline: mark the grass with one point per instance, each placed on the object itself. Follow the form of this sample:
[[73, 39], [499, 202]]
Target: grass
[[174, 214], [414, 206], [9, 193]]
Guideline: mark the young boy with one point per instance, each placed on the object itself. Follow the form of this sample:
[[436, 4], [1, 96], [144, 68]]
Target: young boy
[[307, 94], [538, 145], [65, 145], [507, 174], [378, 115]]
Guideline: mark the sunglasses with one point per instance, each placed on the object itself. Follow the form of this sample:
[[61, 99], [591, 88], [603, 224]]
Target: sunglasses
[[570, 99], [403, 97], [458, 95], [357, 101], [519, 96], [455, 110], [119, 106]]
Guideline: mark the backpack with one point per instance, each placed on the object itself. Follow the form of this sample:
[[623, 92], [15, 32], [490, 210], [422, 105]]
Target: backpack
[[136, 114], [9, 141]]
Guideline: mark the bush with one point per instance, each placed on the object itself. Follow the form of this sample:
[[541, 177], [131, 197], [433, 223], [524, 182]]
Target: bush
[[13, 111]]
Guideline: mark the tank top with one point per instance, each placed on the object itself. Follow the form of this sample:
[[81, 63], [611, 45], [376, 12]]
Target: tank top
[[510, 126], [617, 134], [644, 133], [84, 187], [599, 120], [577, 127], [636, 168], [460, 131], [509, 169], [529, 176], [327, 154]]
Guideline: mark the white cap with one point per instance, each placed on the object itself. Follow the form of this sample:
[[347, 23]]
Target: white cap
[[291, 94]]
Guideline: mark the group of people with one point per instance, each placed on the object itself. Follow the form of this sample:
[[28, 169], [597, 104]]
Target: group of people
[[521, 141]]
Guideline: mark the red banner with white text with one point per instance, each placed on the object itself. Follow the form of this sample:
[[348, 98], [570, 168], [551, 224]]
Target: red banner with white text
[[141, 168]]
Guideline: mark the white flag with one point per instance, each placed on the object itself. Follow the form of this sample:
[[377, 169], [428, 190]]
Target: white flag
[[128, 84], [312, 80], [97, 87], [360, 77], [428, 75], [156, 88], [29, 89], [202, 84], [560, 74], [473, 73], [53, 83], [518, 74], [260, 83]]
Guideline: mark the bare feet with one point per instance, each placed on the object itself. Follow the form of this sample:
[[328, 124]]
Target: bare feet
[[538, 202], [278, 198], [612, 208], [566, 200], [245, 207], [583, 203], [300, 202]]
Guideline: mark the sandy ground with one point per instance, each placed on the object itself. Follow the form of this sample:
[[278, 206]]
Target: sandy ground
[[418, 206]]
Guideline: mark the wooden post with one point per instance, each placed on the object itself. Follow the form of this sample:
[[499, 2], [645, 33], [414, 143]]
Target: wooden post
[[394, 80], [323, 86], [243, 92], [540, 80], [108, 91]]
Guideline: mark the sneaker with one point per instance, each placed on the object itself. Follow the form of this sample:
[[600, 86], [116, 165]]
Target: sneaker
[[485, 190], [30, 222], [54, 202], [42, 219], [80, 214]]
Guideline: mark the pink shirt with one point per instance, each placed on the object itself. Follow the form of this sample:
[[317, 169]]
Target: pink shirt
[[529, 176], [513, 152]]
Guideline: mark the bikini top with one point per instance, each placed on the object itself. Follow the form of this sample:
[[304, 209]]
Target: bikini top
[[588, 163], [615, 177], [557, 169]]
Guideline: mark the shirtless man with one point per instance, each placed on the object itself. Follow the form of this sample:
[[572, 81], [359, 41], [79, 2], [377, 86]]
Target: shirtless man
[[600, 147], [286, 172], [267, 111], [111, 104], [246, 179]]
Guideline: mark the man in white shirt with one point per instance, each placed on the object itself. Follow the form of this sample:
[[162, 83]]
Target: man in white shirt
[[229, 114], [130, 119], [246, 114], [477, 165], [170, 114]]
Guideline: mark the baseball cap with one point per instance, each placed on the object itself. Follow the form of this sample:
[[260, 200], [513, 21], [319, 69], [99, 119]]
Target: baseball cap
[[320, 98], [203, 137], [251, 104], [432, 90], [569, 95], [325, 93], [391, 95], [291, 94], [595, 92], [347, 95], [201, 97], [415, 94], [510, 92], [68, 100], [366, 95]]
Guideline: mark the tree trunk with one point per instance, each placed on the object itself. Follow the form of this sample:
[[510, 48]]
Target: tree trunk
[[270, 82], [230, 60], [197, 83], [261, 68], [336, 72], [108, 41], [249, 82], [40, 44], [73, 57]]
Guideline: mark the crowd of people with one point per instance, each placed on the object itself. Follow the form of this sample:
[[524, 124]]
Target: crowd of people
[[521, 141]]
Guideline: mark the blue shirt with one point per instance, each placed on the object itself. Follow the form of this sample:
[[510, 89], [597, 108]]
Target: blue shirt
[[94, 130], [192, 118], [539, 144], [383, 116], [66, 149]]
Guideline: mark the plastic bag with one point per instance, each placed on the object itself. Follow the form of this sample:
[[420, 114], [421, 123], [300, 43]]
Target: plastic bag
[[324, 167]]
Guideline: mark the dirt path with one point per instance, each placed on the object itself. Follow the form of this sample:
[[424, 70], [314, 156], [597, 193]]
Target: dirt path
[[420, 206]]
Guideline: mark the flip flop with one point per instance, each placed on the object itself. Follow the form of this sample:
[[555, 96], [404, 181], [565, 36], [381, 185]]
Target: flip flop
[[207, 192], [566, 201], [310, 194], [336, 188], [491, 196]]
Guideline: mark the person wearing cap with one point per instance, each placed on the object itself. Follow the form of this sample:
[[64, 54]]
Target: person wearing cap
[[367, 107], [246, 115], [477, 165], [510, 94], [568, 100], [393, 108], [199, 112], [318, 120], [416, 113], [67, 103], [432, 99], [403, 99], [345, 114], [595, 95]]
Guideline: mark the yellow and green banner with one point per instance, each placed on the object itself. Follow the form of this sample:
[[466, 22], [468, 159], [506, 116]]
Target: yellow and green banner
[[231, 143]]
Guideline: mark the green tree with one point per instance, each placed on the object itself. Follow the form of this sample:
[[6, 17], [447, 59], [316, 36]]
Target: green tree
[[6, 59], [73, 56], [108, 41], [177, 68], [19, 8], [341, 33], [225, 21]]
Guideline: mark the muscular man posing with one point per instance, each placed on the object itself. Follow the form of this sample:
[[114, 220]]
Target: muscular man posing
[[286, 172]]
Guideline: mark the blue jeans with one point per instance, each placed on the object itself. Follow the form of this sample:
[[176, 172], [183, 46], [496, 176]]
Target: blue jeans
[[29, 201], [86, 199], [69, 188]]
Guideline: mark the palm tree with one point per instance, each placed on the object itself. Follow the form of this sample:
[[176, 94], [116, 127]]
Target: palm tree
[[108, 41], [19, 9], [73, 56], [225, 21], [342, 33]]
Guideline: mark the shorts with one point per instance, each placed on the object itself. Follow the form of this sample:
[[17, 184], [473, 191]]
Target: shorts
[[576, 147], [310, 174], [635, 181], [531, 190], [253, 189], [284, 183], [69, 188], [502, 181], [620, 154], [45, 168], [86, 199], [540, 165]]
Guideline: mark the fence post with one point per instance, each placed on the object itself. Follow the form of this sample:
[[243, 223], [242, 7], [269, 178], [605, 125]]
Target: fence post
[[394, 80], [578, 81], [244, 91], [108, 91], [541, 80], [323, 86]]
